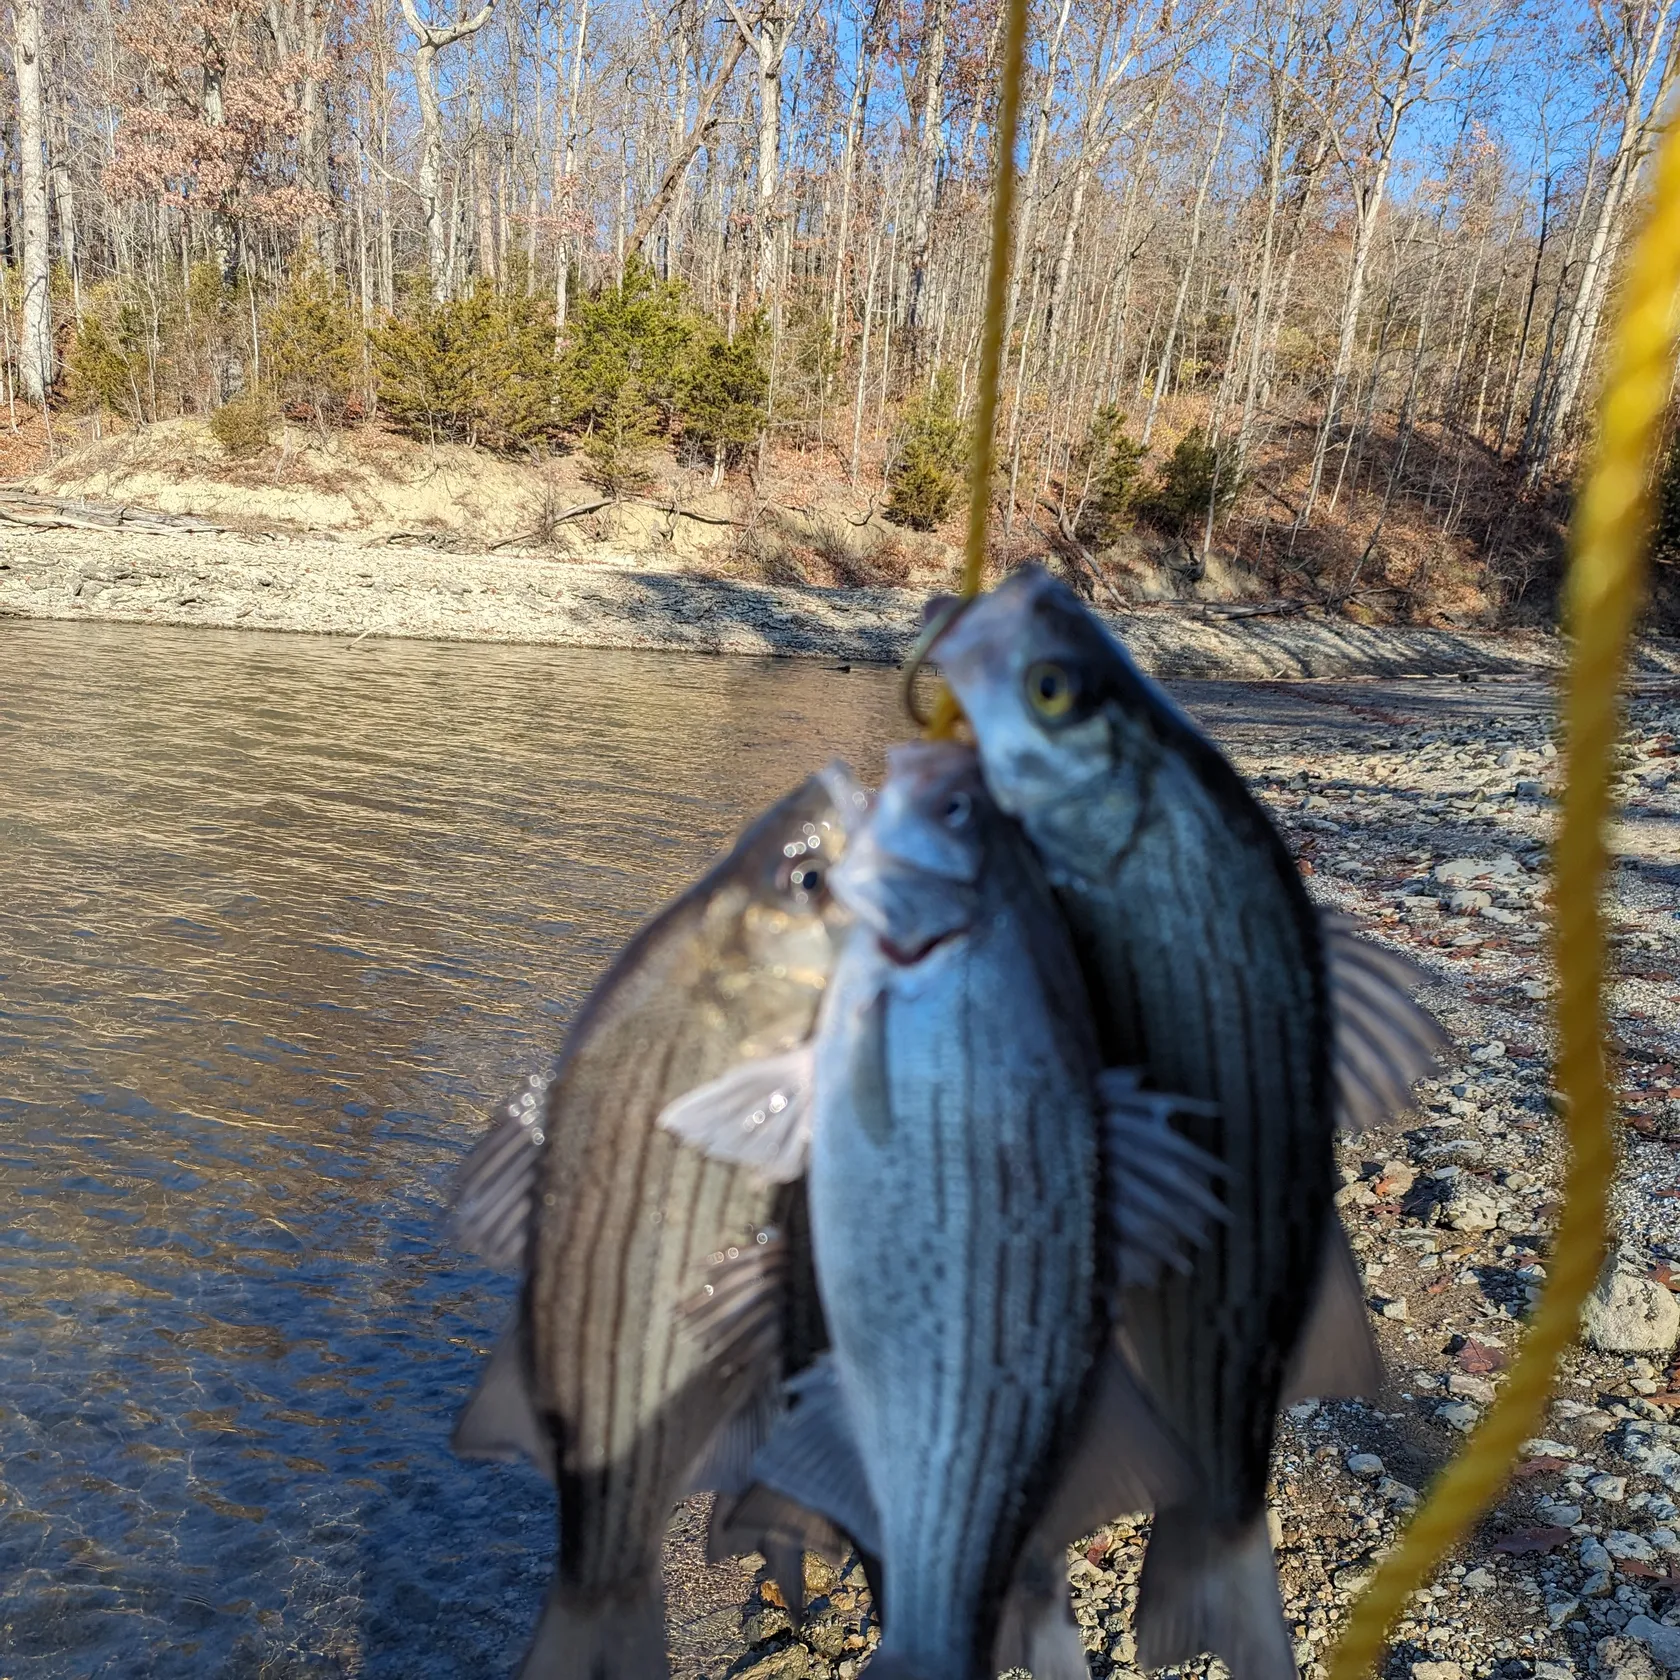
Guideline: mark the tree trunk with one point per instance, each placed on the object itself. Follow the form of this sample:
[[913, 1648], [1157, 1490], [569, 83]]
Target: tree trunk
[[35, 352], [429, 42], [929, 148]]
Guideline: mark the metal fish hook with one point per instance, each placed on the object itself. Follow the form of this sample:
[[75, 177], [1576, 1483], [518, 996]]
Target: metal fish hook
[[941, 618]]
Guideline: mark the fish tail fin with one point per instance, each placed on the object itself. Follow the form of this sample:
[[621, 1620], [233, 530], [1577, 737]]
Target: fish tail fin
[[890, 1665], [594, 1636], [1036, 1630], [1202, 1590]]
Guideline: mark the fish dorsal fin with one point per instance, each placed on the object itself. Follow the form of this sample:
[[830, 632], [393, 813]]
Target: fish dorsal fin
[[1337, 1356], [1385, 1040], [494, 1193], [780, 1531], [756, 1115], [812, 1459], [1157, 1179], [500, 1420]]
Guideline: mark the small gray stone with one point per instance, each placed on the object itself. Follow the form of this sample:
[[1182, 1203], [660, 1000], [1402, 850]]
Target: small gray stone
[[1611, 1489], [1593, 1556], [1619, 1543], [1469, 902], [1437, 1671], [1366, 1465], [1543, 1446], [1459, 1413], [1471, 1208], [1470, 1388], [1558, 1514], [1397, 1493], [1662, 1642], [1628, 1313], [1479, 1580]]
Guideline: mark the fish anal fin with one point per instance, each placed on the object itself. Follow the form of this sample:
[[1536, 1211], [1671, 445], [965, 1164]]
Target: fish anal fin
[[1203, 1590], [1336, 1357], [1384, 1039], [500, 1420], [812, 1459], [1123, 1458], [1036, 1630], [725, 1462], [1159, 1182], [780, 1531], [755, 1115], [494, 1192]]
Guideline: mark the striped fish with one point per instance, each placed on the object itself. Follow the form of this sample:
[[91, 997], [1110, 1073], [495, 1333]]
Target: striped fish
[[977, 1191], [611, 1222], [1209, 967]]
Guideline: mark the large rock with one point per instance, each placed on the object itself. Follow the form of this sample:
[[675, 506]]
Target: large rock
[[1662, 1642], [1630, 1313]]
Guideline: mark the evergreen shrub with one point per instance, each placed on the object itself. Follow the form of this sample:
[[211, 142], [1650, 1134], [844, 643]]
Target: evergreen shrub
[[1196, 473], [313, 355], [927, 470], [1115, 462]]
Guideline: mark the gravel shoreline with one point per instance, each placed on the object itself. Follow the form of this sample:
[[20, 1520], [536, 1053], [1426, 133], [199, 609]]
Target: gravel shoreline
[[335, 588]]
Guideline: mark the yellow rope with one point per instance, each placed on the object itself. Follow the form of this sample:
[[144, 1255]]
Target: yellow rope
[[1608, 549], [943, 719]]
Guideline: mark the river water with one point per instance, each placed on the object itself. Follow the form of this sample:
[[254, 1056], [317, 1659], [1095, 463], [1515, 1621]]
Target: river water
[[278, 919]]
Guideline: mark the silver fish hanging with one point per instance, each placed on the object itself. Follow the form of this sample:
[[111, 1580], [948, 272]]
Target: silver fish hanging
[[610, 1221], [1210, 969]]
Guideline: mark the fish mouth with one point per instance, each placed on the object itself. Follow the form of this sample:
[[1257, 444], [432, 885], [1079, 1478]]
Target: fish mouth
[[907, 956]]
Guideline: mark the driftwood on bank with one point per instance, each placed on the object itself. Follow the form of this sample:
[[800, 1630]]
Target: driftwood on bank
[[58, 513]]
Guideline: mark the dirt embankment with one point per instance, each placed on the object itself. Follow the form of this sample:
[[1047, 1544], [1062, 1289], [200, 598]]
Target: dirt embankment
[[339, 589], [370, 534]]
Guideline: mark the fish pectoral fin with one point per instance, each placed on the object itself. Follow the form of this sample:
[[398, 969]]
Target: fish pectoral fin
[[493, 1194], [756, 1115], [1337, 1356], [500, 1420], [736, 1319], [1159, 1191], [1203, 1590], [812, 1458], [780, 1531], [1123, 1458], [1384, 1040]]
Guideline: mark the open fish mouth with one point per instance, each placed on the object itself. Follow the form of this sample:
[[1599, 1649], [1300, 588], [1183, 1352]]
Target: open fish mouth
[[907, 956]]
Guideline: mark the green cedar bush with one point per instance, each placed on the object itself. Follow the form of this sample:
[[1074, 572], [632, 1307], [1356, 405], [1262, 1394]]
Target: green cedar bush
[[103, 374], [626, 342], [314, 351], [927, 471], [479, 368], [723, 390], [1196, 473], [241, 426], [1116, 464]]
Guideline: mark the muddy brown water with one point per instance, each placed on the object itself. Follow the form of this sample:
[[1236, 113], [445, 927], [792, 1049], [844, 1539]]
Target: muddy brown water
[[278, 918]]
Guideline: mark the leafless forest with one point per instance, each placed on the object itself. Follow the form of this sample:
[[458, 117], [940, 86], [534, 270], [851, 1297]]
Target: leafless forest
[[1307, 295]]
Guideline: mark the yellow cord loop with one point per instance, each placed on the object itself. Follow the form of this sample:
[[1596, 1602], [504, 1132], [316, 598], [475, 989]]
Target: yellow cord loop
[[943, 720], [1604, 588]]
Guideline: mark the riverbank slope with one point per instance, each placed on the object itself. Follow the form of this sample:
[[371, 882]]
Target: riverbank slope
[[342, 589]]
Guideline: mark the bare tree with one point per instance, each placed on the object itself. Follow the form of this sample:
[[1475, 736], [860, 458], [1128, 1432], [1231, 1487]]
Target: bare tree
[[429, 42], [35, 347]]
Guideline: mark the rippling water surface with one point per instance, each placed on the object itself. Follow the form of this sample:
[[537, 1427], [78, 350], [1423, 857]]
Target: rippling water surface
[[277, 919]]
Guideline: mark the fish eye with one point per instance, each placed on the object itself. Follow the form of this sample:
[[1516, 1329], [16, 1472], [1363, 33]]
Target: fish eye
[[806, 878], [1051, 690], [958, 809]]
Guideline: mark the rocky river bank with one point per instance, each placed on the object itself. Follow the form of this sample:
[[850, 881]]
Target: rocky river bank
[[345, 589]]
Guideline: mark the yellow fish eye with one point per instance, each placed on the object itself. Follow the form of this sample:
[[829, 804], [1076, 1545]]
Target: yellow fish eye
[[1050, 689]]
